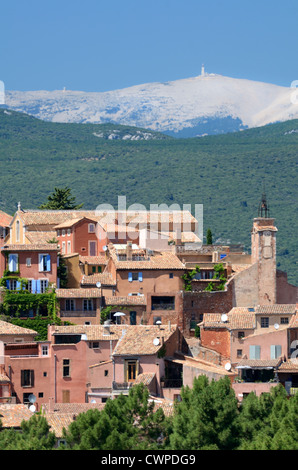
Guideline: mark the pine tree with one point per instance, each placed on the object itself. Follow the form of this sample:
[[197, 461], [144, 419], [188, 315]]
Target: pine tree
[[61, 199], [209, 237]]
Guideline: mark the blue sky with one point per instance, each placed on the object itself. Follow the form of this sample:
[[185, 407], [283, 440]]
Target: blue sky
[[96, 45]]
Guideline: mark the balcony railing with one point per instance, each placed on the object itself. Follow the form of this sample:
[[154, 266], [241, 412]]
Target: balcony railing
[[163, 306], [121, 385], [78, 313]]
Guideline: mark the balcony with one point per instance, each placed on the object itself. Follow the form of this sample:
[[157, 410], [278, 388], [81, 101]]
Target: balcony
[[172, 383], [78, 313]]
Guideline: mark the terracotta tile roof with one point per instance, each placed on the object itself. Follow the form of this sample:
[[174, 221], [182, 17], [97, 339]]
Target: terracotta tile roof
[[291, 365], [276, 309], [55, 217], [7, 328], [70, 408], [94, 260], [258, 363], [138, 339], [44, 247], [105, 279], [93, 332], [294, 321], [129, 300], [37, 237], [11, 415], [162, 260], [146, 378], [80, 293], [238, 318], [5, 219], [72, 222]]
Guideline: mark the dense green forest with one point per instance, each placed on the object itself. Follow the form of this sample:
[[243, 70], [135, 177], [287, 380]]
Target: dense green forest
[[207, 418], [225, 173]]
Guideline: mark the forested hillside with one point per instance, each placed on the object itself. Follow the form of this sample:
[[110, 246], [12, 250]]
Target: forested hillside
[[224, 173]]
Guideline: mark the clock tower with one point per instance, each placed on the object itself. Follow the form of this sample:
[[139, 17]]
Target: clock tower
[[263, 253]]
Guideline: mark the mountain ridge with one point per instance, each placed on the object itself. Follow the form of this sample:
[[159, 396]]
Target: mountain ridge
[[195, 106]]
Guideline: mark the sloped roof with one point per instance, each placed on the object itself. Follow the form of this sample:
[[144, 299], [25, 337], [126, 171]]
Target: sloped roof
[[162, 260], [129, 300], [93, 332], [138, 339], [238, 318], [5, 219], [80, 293], [12, 415], [105, 279], [7, 328], [94, 260], [276, 309]]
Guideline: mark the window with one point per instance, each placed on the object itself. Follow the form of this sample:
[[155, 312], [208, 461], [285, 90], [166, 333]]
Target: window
[[275, 351], [27, 378], [94, 345], [171, 275], [17, 231], [66, 367], [135, 277], [43, 285], [284, 320], [68, 232], [254, 352], [70, 305], [40, 395], [88, 304], [94, 269], [69, 246], [239, 353], [45, 350], [241, 334], [131, 370], [92, 248], [63, 248], [28, 262], [91, 228], [63, 232], [99, 269], [133, 318], [264, 322], [13, 262], [106, 373], [44, 262], [12, 284]]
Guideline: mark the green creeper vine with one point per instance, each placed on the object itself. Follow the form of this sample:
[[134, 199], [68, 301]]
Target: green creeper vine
[[219, 271], [188, 277]]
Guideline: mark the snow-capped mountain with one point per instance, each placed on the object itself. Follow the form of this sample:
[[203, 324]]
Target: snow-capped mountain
[[206, 104]]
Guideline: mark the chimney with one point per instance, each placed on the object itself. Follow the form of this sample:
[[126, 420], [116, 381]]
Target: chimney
[[129, 251]]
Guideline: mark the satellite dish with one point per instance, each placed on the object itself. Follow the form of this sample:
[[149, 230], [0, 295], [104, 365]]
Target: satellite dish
[[228, 366], [93, 401], [158, 322], [105, 248], [32, 408], [84, 337], [98, 284], [119, 314], [224, 317], [156, 341], [276, 326], [32, 398]]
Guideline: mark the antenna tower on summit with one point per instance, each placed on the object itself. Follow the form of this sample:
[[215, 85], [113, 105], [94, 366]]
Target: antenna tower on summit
[[203, 71]]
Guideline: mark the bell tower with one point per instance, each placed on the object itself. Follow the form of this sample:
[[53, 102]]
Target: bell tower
[[263, 252]]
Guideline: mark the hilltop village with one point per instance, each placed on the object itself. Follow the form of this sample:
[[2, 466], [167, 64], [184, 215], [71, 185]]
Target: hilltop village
[[127, 304]]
